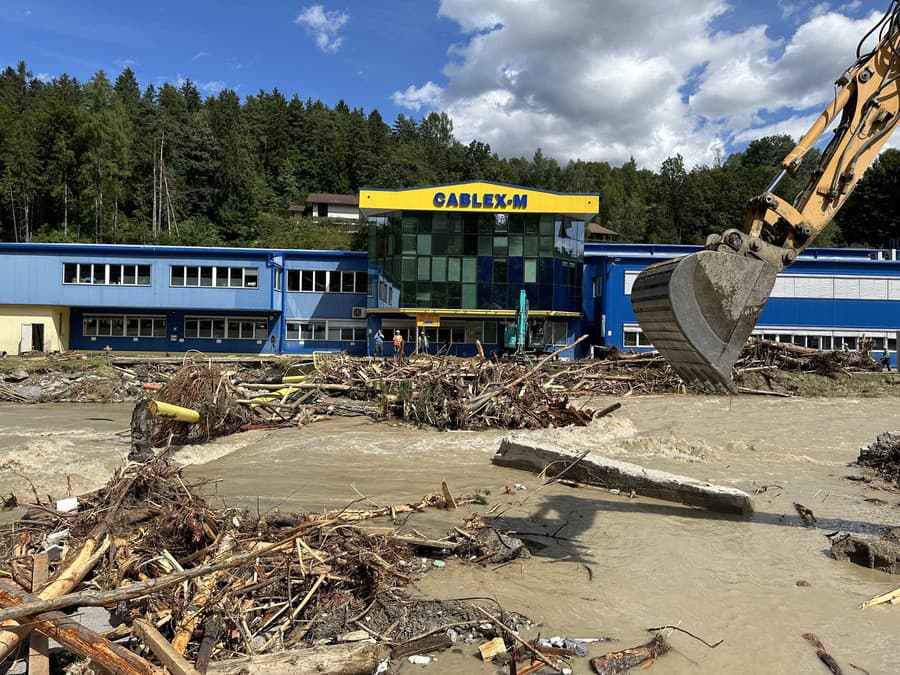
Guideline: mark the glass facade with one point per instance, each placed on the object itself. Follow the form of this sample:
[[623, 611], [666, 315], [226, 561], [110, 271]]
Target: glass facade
[[480, 260]]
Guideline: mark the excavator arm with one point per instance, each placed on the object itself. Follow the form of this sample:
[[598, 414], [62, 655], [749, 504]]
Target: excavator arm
[[699, 310]]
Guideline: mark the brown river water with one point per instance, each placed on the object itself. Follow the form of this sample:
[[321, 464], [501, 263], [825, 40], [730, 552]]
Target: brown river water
[[613, 566]]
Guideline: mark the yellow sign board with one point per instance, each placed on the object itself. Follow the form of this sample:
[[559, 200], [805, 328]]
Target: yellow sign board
[[479, 196], [428, 320]]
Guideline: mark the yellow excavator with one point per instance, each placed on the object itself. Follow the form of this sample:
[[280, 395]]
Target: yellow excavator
[[699, 310]]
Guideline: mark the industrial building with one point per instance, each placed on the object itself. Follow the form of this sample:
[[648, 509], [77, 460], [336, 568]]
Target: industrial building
[[449, 259]]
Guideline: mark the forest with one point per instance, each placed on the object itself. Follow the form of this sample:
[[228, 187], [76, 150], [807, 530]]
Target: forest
[[104, 161]]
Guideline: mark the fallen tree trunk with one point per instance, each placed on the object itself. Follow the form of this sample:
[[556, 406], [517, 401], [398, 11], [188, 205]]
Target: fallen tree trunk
[[82, 562], [78, 639], [626, 659], [356, 658], [594, 469]]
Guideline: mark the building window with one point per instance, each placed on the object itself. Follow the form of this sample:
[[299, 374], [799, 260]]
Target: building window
[[635, 338], [331, 330], [226, 328], [214, 277], [277, 282], [123, 325], [325, 281], [106, 274]]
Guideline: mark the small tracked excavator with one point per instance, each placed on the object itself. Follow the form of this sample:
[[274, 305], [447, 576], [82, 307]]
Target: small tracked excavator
[[699, 310]]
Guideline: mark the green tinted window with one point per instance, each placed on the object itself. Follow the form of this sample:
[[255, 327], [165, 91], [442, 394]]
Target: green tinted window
[[423, 244], [469, 270], [516, 247], [454, 269], [485, 246], [424, 272], [469, 296], [531, 246], [530, 271], [409, 269], [439, 269], [546, 222]]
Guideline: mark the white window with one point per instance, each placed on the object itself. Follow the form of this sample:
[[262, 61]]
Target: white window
[[107, 274], [226, 328], [324, 281], [214, 277], [123, 325]]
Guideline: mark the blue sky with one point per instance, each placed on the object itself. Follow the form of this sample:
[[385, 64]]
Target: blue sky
[[583, 79]]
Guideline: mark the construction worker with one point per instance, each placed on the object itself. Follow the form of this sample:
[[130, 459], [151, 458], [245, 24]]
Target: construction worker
[[398, 345]]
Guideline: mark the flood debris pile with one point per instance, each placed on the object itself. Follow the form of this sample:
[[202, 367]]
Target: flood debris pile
[[875, 553], [883, 457], [457, 393], [219, 583], [208, 390], [762, 355]]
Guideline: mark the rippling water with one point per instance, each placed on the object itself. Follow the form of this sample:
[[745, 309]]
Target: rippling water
[[613, 565]]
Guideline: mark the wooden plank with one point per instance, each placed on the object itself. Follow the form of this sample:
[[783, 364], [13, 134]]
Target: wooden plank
[[39, 647], [595, 469], [165, 652]]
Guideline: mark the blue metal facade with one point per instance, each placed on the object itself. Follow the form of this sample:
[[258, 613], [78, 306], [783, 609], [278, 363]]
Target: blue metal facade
[[291, 301], [827, 299], [225, 300]]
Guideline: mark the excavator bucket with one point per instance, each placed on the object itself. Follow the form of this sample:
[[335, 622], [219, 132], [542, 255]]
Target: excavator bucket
[[699, 310]]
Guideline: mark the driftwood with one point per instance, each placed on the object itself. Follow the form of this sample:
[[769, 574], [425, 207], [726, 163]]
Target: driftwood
[[622, 661], [87, 555], [354, 658], [165, 652], [78, 639], [823, 654], [198, 584], [39, 652]]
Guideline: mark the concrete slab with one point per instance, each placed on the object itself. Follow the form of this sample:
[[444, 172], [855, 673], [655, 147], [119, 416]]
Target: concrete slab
[[595, 469]]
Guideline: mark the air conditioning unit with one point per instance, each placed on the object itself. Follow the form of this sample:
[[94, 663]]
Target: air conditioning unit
[[359, 312]]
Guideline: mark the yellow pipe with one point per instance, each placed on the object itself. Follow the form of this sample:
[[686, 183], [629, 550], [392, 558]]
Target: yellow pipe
[[161, 409], [294, 379]]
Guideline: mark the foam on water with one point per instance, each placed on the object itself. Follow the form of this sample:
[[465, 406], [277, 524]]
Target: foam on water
[[619, 437]]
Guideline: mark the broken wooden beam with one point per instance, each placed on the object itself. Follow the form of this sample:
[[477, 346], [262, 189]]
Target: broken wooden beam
[[595, 469], [79, 639], [162, 648]]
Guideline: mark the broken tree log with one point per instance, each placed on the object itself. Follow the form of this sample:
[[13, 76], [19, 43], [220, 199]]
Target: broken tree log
[[637, 657], [82, 562], [78, 639], [353, 658], [595, 469]]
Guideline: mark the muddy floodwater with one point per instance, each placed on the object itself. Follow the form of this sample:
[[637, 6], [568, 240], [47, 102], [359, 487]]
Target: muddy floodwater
[[604, 564]]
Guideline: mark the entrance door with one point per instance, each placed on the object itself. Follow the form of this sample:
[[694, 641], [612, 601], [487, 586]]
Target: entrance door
[[37, 337], [25, 342], [32, 338]]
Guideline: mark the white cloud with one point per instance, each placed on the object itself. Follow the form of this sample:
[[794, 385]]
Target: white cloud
[[633, 78], [125, 63], [46, 78], [428, 95], [323, 26], [212, 87], [199, 55]]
